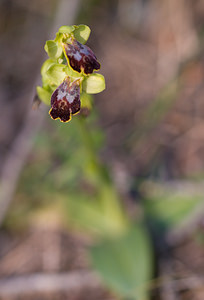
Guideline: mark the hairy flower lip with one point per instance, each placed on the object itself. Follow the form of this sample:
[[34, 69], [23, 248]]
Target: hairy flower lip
[[81, 57], [65, 100]]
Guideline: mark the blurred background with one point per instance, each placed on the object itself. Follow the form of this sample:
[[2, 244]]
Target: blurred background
[[146, 132]]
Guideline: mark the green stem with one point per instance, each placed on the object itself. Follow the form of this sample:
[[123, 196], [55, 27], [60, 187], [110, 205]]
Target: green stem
[[88, 143], [110, 203]]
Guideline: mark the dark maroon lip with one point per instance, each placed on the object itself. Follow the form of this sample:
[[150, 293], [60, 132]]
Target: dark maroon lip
[[65, 100], [81, 57]]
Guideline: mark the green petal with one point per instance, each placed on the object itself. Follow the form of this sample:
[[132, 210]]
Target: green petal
[[53, 49], [66, 29], [81, 33], [44, 95], [56, 74], [93, 84]]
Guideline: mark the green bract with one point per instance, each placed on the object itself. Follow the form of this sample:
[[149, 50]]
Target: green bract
[[86, 100], [70, 70]]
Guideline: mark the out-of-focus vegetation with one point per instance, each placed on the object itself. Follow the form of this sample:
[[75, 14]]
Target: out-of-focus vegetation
[[129, 176], [68, 166]]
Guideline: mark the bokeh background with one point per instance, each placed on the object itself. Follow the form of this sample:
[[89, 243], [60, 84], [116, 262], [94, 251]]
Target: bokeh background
[[148, 132]]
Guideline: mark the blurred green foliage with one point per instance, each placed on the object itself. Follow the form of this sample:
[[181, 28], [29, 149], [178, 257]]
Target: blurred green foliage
[[126, 262], [65, 169], [171, 205]]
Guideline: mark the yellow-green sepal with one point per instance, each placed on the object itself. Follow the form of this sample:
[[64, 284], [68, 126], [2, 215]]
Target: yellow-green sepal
[[81, 33], [56, 74], [93, 84], [53, 49], [44, 95], [46, 65], [66, 29]]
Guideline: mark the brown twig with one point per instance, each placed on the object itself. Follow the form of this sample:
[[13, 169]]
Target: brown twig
[[43, 283]]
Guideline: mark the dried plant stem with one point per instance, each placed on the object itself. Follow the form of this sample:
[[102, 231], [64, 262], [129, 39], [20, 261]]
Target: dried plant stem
[[44, 283], [23, 143]]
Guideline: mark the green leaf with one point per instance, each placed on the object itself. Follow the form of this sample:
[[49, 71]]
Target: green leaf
[[86, 214], [66, 29], [91, 214], [171, 205], [93, 84], [44, 95], [53, 49], [56, 74], [81, 33], [125, 263]]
